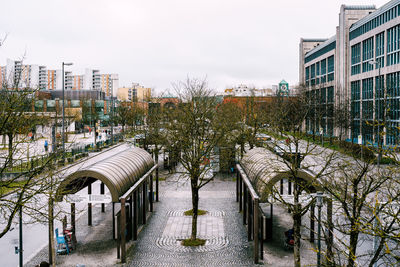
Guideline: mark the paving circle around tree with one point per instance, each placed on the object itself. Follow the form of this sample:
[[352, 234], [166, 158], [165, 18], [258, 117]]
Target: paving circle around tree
[[159, 244]]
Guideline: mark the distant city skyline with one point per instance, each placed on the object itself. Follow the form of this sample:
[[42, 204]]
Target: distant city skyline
[[155, 43]]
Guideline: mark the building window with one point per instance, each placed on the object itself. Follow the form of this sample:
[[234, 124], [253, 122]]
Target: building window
[[380, 48], [331, 68], [331, 93], [355, 90], [367, 54], [356, 59], [323, 71], [393, 45], [368, 88]]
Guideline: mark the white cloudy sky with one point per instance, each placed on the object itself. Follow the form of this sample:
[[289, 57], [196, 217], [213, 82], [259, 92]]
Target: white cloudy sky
[[156, 42]]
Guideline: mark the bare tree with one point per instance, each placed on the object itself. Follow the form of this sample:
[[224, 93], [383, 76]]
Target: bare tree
[[196, 127]]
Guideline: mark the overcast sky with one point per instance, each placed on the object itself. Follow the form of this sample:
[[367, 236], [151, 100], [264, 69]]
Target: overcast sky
[[156, 42]]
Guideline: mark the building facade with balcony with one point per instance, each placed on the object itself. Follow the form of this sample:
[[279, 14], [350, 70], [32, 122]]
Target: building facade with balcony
[[109, 84], [358, 68]]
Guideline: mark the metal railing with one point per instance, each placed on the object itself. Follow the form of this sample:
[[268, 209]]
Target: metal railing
[[135, 203], [253, 217]]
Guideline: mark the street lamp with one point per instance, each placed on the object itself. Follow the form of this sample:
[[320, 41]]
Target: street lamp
[[112, 110], [377, 63], [63, 106]]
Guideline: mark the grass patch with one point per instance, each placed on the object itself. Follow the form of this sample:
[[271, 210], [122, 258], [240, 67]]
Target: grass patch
[[193, 243], [6, 187], [190, 212]]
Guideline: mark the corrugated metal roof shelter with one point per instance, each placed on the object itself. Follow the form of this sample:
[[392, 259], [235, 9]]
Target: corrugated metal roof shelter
[[118, 173], [260, 170], [128, 176], [264, 169]]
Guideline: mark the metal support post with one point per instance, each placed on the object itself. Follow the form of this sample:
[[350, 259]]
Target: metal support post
[[135, 215], [123, 229], [73, 226], [255, 229], [103, 208], [89, 206], [312, 222]]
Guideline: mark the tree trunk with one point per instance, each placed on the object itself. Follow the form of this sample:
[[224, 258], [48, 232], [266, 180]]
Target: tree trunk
[[195, 204], [52, 255], [296, 226], [10, 150], [353, 246]]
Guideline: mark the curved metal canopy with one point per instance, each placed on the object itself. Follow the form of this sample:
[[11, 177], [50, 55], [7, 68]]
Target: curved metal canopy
[[264, 169], [118, 172]]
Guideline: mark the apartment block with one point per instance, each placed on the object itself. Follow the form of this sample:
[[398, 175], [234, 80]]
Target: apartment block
[[77, 82], [2, 76], [54, 80], [42, 77], [359, 65], [92, 79], [109, 84], [135, 93]]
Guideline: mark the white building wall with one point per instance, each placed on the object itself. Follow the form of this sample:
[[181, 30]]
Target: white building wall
[[88, 79]]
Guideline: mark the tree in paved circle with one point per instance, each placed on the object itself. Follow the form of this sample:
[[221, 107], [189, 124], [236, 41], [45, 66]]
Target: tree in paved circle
[[195, 127]]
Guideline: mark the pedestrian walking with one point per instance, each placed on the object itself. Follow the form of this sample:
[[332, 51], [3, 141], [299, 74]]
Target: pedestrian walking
[[46, 146]]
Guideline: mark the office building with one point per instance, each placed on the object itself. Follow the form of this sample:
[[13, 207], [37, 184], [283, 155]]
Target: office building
[[358, 67]]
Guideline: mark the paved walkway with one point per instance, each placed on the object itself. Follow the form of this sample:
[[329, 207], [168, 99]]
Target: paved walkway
[[227, 245], [158, 243]]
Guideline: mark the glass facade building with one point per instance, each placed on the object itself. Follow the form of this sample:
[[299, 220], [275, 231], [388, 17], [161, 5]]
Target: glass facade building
[[363, 70]]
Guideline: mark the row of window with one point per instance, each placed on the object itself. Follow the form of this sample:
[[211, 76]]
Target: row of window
[[368, 88], [321, 96], [393, 51], [320, 52], [313, 125], [317, 73], [377, 21]]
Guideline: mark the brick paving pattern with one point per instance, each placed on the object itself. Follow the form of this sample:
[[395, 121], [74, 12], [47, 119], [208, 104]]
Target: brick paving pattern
[[226, 245]]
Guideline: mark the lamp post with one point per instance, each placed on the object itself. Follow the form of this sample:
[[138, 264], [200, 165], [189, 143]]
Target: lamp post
[[319, 200], [377, 63], [63, 107], [112, 110]]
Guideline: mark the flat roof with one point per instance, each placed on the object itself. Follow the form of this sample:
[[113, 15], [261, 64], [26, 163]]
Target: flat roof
[[374, 14]]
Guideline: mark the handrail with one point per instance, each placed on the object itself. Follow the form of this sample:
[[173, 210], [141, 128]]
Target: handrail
[[137, 184], [253, 193]]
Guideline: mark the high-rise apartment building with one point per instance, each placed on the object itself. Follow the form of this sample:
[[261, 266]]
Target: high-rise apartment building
[[54, 80], [360, 65], [91, 80], [77, 82], [42, 77], [3, 79], [13, 73], [109, 84]]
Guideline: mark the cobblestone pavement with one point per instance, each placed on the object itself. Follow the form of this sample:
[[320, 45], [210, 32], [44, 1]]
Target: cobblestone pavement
[[227, 245]]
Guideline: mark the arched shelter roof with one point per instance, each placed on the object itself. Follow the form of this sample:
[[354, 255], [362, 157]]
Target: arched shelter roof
[[119, 172], [264, 169]]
